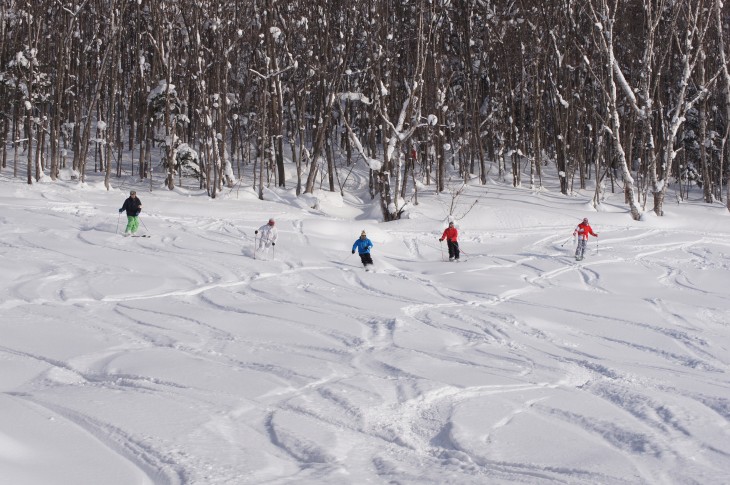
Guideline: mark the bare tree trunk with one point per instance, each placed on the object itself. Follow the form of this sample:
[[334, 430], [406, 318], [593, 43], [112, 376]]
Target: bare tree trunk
[[263, 141], [329, 152], [6, 123], [16, 137], [40, 164], [706, 169], [108, 146], [29, 136]]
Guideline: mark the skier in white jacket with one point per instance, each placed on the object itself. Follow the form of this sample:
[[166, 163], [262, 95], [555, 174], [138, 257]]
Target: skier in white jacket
[[269, 234]]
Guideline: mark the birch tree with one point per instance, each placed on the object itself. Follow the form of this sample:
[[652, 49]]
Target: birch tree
[[695, 22], [603, 17]]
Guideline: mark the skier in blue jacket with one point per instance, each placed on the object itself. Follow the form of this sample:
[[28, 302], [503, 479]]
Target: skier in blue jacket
[[363, 245]]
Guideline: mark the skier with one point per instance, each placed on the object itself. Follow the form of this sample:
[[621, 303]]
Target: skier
[[582, 231], [133, 206], [269, 234], [451, 234], [363, 245]]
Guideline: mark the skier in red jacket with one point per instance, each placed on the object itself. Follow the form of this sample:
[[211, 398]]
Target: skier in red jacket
[[582, 231], [451, 235]]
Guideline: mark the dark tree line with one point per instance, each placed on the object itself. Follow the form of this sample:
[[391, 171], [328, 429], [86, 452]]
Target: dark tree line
[[634, 95]]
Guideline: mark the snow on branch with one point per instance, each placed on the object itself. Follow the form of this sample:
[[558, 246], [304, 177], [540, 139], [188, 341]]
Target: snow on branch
[[355, 97], [625, 86], [373, 163]]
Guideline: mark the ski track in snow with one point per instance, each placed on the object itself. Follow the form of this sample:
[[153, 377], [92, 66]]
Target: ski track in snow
[[369, 395]]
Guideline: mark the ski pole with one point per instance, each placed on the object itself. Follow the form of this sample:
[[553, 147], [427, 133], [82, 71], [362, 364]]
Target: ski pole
[[255, 244], [145, 225], [566, 241], [441, 243], [119, 217]]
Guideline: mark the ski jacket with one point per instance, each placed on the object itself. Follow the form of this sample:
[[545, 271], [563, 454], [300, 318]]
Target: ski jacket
[[450, 234], [583, 230], [362, 245], [133, 206], [268, 233]]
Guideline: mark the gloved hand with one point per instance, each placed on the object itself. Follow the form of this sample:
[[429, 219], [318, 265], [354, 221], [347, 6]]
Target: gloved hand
[[353, 251], [121, 210], [255, 232], [596, 234], [136, 214], [441, 239], [273, 244]]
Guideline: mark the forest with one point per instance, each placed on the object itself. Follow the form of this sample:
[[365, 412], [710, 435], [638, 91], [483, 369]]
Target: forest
[[613, 95]]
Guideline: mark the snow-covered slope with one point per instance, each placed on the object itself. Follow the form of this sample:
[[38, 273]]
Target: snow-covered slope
[[181, 359]]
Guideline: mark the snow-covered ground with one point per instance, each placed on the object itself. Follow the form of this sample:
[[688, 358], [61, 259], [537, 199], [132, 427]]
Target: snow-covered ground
[[181, 359]]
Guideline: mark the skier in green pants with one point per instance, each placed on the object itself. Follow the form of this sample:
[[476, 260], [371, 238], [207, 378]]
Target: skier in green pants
[[133, 206]]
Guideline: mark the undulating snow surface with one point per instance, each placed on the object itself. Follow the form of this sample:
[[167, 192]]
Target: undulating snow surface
[[181, 359]]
